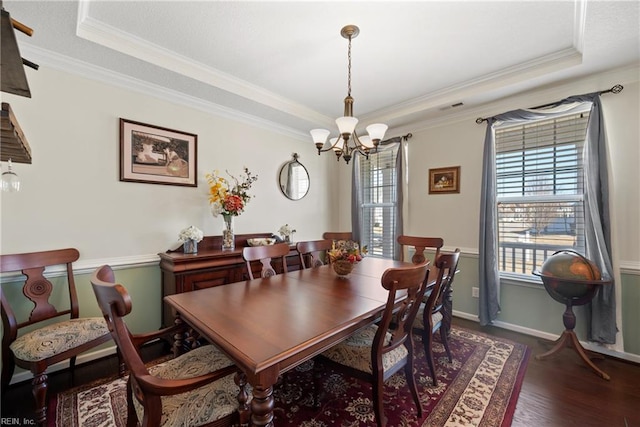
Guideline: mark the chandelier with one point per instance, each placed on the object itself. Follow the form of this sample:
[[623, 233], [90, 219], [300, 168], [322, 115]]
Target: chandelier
[[348, 140]]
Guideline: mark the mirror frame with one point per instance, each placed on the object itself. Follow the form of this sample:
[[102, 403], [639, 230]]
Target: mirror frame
[[285, 169]]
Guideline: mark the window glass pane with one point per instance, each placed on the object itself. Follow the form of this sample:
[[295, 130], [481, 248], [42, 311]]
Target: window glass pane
[[378, 177], [528, 233], [539, 191]]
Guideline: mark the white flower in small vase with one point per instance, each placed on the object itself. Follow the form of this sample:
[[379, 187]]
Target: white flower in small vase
[[190, 236], [286, 231]]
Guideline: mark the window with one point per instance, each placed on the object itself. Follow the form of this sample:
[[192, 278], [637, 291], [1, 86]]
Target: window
[[378, 179], [539, 191]]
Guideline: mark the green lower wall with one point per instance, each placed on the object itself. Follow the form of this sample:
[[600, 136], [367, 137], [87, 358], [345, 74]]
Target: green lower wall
[[532, 308]]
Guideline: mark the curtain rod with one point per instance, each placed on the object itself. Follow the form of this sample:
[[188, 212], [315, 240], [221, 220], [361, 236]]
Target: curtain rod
[[396, 139], [615, 89]]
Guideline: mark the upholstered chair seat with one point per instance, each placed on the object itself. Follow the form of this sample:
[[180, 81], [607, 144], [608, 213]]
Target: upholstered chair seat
[[355, 351], [203, 405], [419, 322], [51, 340]]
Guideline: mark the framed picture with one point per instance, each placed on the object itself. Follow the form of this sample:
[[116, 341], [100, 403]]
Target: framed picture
[[444, 180], [157, 155]]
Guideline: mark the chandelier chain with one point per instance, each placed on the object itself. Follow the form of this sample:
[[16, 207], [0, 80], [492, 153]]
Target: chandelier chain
[[349, 69]]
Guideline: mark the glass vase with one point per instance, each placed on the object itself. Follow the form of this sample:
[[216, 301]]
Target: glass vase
[[228, 236], [190, 246]]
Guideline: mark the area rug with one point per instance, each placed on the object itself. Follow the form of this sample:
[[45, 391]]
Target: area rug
[[479, 388]]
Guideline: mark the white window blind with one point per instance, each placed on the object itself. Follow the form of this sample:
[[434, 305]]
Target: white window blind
[[539, 191], [378, 177]]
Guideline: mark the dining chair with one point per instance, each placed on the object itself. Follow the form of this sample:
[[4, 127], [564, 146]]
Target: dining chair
[[56, 332], [265, 254], [196, 388], [420, 244], [313, 253], [432, 315], [337, 235], [376, 352]]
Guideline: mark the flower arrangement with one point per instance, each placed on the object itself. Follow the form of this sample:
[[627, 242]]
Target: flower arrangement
[[191, 233], [347, 250], [286, 231], [229, 197]]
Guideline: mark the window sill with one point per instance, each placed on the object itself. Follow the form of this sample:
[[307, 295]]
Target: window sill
[[518, 280]]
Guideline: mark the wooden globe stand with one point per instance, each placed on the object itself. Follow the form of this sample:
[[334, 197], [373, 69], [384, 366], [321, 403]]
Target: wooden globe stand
[[569, 337]]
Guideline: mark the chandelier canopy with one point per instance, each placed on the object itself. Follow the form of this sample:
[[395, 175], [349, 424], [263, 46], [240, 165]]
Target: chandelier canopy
[[348, 141]]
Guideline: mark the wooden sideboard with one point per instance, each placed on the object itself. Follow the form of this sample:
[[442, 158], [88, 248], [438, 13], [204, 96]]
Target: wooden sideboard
[[210, 267]]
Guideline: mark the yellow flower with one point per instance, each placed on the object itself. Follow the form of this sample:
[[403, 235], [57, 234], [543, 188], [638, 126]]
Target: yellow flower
[[225, 198]]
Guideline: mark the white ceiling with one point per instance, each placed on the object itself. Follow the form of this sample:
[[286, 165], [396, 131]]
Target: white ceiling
[[286, 62]]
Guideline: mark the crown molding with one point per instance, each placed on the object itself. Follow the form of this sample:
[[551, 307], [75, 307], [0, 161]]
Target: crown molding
[[106, 35], [594, 82], [92, 72]]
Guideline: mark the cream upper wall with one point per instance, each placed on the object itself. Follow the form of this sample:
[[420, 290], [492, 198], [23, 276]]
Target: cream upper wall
[[71, 194]]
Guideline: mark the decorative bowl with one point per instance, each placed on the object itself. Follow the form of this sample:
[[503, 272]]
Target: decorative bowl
[[261, 242]]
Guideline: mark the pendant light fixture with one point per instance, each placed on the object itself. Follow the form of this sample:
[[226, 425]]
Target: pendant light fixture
[[10, 181], [348, 141]]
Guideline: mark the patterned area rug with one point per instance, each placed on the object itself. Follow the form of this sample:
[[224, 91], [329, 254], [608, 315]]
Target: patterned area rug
[[480, 388]]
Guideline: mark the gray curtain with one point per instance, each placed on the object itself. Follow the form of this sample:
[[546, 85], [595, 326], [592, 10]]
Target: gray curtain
[[356, 197], [489, 285], [602, 309]]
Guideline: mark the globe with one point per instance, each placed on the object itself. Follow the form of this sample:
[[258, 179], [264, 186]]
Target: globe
[[569, 274]]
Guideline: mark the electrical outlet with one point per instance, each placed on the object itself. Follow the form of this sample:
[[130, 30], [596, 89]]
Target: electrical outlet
[[475, 292]]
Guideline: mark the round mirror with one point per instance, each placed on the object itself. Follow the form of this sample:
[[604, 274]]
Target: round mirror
[[294, 179]]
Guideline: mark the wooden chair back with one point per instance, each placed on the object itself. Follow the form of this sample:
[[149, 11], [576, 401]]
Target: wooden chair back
[[38, 288], [265, 254], [414, 281], [28, 353], [337, 235], [420, 244], [436, 315], [115, 303], [362, 354], [313, 252], [447, 264]]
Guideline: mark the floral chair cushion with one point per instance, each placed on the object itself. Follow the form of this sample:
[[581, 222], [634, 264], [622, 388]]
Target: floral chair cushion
[[200, 406], [57, 338], [419, 322], [355, 351]]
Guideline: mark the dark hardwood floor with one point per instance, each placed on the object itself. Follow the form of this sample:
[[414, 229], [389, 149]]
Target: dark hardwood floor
[[558, 392]]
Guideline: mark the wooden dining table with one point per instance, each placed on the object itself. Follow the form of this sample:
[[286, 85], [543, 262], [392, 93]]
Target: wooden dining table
[[268, 326]]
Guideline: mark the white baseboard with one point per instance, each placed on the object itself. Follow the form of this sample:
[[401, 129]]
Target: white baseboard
[[551, 337]]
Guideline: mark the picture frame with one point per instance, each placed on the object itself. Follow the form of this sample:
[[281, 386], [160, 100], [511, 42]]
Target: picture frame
[[157, 155], [444, 180]]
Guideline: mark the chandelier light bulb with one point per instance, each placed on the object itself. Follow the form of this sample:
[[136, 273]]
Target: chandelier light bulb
[[346, 125], [376, 131], [319, 137]]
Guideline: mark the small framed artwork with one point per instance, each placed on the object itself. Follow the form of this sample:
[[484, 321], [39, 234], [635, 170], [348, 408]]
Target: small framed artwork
[[157, 155], [444, 180]]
